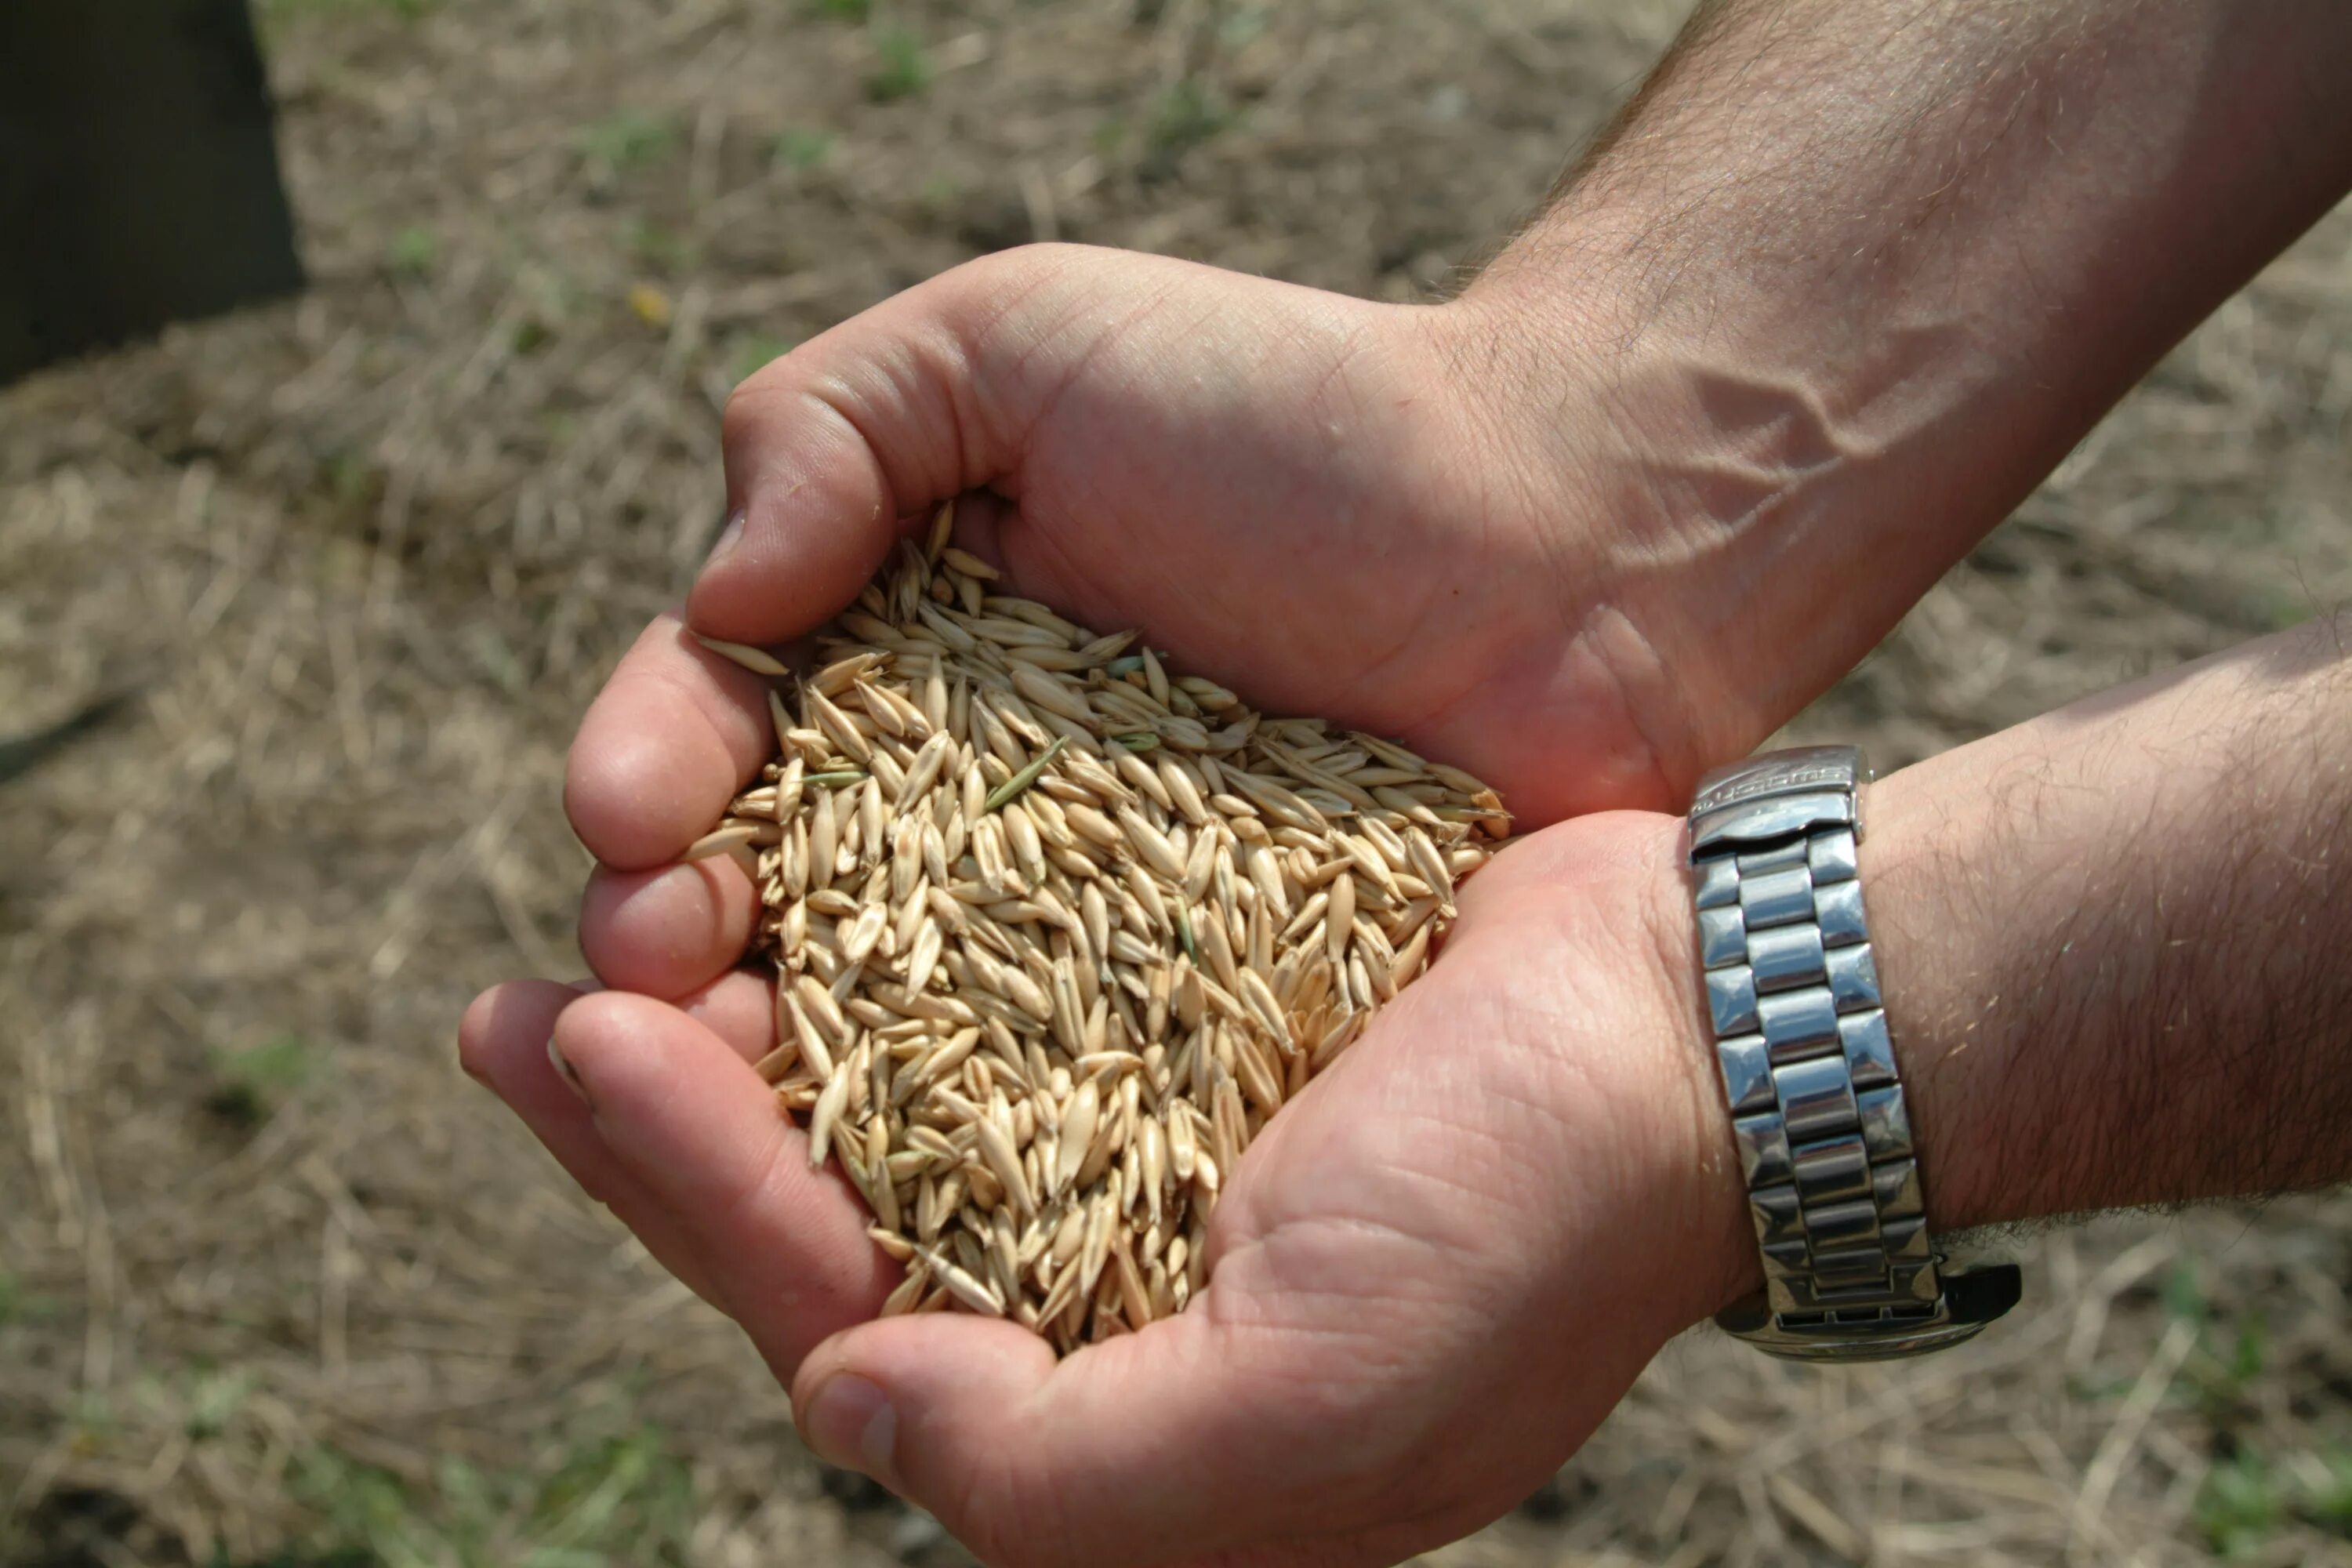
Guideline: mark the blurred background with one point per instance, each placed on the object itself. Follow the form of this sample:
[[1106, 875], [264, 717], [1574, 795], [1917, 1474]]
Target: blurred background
[[298, 606]]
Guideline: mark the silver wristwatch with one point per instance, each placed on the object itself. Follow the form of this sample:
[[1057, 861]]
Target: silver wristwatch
[[1817, 1113]]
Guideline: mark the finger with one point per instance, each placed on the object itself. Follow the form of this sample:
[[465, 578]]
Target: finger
[[740, 1008], [669, 931], [502, 1043], [665, 746], [881, 418], [684, 1114]]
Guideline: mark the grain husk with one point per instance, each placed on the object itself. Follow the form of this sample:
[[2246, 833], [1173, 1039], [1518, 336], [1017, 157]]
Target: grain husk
[[1058, 931]]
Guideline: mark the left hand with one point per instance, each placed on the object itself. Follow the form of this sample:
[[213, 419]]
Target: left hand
[[1432, 1276]]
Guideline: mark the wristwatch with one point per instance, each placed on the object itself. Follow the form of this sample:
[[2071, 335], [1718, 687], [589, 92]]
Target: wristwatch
[[1817, 1111]]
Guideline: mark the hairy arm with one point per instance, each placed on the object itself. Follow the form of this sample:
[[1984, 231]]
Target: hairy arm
[[1855, 277], [2117, 942], [2113, 945]]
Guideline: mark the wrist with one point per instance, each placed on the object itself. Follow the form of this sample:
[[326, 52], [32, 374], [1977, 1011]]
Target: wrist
[[1599, 1029], [1713, 1241], [1727, 1253], [1733, 518], [1765, 509], [1931, 955], [1577, 443]]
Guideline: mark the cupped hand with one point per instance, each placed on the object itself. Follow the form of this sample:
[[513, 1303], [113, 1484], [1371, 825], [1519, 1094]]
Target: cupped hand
[[1431, 1276], [1334, 506], [1445, 1262]]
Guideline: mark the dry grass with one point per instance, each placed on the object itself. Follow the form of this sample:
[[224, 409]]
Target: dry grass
[[277, 1283], [986, 824]]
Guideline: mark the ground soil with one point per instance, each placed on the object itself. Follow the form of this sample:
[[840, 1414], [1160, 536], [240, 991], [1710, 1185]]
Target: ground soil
[[331, 581]]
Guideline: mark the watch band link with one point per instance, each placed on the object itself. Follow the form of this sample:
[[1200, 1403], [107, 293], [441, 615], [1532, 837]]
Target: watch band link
[[1817, 1111]]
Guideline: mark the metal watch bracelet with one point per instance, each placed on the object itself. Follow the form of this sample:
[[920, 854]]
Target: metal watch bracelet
[[1817, 1107]]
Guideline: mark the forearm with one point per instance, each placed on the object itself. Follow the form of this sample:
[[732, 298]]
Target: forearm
[[2112, 945], [2114, 942], [1855, 277]]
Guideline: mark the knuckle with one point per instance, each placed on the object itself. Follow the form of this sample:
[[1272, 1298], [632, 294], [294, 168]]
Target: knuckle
[[976, 301], [746, 405], [1030, 262]]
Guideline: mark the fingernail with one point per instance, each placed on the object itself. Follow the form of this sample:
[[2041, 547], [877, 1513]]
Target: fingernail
[[853, 1426], [728, 537], [563, 1071]]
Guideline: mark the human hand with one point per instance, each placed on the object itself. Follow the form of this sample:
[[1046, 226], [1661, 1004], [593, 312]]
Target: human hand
[[1431, 1275], [1334, 506]]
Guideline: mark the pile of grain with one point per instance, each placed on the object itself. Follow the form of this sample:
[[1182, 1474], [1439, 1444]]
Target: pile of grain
[[1057, 932]]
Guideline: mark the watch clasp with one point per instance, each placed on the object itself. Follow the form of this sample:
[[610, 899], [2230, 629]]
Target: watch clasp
[[1972, 1298]]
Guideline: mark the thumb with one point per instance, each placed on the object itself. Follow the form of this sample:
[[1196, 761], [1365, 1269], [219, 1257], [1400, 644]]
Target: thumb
[[881, 418], [1164, 1447]]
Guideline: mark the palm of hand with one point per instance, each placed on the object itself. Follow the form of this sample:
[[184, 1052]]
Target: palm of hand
[[1424, 1270]]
